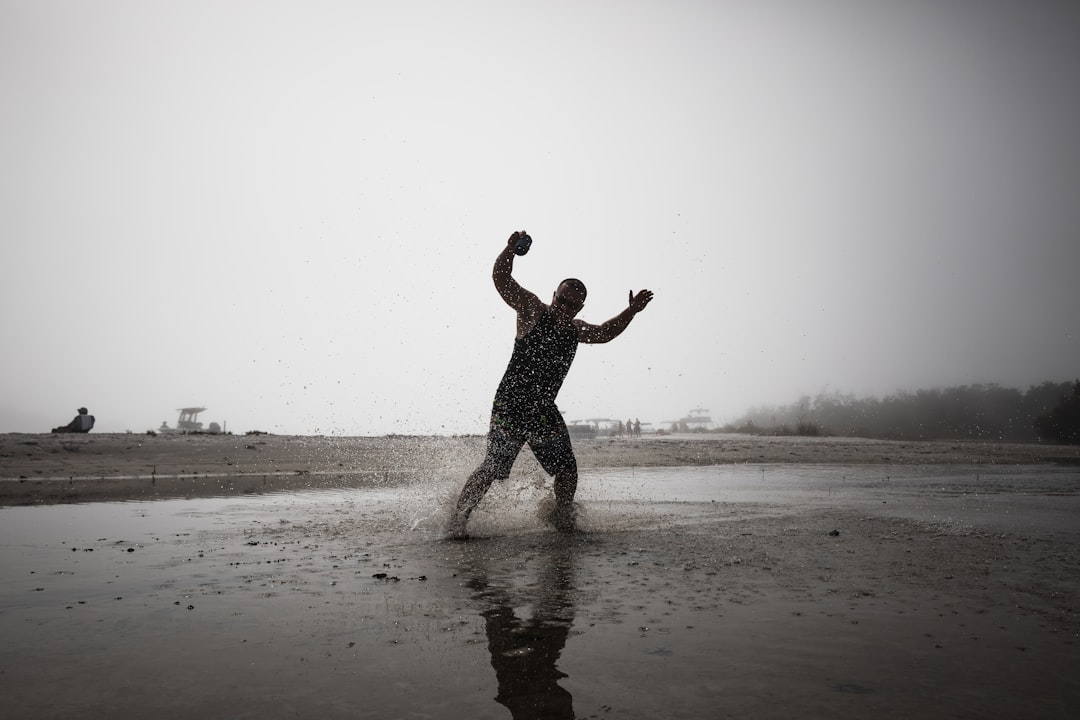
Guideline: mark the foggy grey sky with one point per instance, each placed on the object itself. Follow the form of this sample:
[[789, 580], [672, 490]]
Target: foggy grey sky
[[287, 212]]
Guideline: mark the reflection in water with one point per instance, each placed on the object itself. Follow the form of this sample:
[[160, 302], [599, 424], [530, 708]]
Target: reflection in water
[[525, 652]]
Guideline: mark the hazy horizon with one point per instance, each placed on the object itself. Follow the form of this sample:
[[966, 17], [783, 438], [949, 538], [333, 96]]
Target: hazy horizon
[[751, 413], [288, 214]]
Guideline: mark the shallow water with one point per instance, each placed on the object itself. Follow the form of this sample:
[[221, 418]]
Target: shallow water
[[347, 603], [1010, 498], [1013, 498]]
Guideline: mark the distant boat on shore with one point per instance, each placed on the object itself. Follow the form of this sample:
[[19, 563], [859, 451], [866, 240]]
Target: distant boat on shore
[[188, 422]]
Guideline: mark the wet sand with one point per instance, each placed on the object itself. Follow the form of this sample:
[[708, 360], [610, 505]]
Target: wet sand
[[828, 578]]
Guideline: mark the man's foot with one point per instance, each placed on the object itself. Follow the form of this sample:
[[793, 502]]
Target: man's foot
[[563, 519], [455, 529]]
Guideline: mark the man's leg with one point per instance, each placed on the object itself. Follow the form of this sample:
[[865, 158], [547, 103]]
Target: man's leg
[[471, 495], [556, 455], [475, 488], [565, 487], [502, 449]]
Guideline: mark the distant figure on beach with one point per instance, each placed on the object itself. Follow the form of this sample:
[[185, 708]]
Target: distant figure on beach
[[524, 409], [82, 423], [637, 427]]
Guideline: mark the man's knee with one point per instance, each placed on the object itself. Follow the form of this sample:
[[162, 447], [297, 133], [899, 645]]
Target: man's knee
[[494, 468]]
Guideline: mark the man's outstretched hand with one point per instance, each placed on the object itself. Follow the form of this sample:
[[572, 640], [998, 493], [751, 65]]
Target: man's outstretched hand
[[639, 301]]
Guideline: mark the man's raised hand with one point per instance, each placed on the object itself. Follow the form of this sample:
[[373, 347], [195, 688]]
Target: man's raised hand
[[639, 301]]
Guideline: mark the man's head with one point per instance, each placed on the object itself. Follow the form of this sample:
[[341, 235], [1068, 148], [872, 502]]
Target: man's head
[[569, 298], [83, 411]]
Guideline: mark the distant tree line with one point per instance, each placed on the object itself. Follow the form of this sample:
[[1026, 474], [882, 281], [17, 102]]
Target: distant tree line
[[1049, 412]]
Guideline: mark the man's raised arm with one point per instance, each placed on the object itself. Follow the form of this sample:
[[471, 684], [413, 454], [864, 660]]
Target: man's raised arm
[[515, 296]]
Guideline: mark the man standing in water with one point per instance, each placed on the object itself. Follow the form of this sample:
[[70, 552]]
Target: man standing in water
[[524, 410]]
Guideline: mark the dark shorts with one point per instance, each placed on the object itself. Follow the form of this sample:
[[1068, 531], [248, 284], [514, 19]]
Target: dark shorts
[[545, 434]]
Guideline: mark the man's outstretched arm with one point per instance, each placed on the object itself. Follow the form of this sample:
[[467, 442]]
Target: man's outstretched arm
[[613, 328]]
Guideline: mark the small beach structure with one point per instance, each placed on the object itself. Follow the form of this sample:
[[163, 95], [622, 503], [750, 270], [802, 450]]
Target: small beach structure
[[698, 420], [189, 419]]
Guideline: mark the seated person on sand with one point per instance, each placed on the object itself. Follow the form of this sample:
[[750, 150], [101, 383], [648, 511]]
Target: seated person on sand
[[82, 423]]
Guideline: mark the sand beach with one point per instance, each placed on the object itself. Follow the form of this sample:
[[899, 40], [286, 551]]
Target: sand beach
[[712, 576], [43, 468]]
